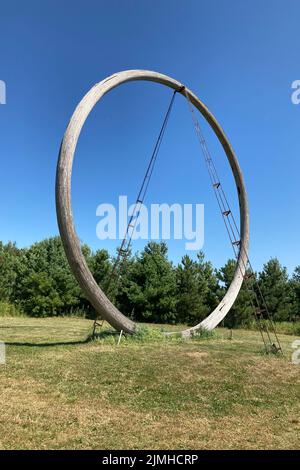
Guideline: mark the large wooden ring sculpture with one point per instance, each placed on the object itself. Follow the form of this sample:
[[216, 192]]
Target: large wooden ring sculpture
[[71, 243]]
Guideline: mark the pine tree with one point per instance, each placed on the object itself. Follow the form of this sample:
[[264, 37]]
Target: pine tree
[[190, 307], [295, 286], [44, 283], [208, 283], [242, 312], [151, 286], [276, 289]]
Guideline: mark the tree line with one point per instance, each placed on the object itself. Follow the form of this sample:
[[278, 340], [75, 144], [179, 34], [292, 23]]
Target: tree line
[[146, 286]]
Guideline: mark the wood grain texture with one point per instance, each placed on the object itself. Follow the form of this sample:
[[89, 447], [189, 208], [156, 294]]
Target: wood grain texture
[[70, 240]]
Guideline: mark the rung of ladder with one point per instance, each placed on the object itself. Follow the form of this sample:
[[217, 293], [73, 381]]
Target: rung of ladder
[[216, 185], [249, 275], [226, 213], [260, 311]]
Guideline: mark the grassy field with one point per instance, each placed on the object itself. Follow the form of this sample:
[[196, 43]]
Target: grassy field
[[60, 390]]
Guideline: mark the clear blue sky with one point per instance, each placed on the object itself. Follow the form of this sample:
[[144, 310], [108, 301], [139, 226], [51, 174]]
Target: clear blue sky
[[240, 57]]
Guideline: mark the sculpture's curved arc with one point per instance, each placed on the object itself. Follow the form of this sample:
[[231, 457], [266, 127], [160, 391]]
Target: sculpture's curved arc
[[70, 240]]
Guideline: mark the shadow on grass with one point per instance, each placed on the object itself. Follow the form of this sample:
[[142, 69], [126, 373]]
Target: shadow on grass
[[90, 337], [57, 343]]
